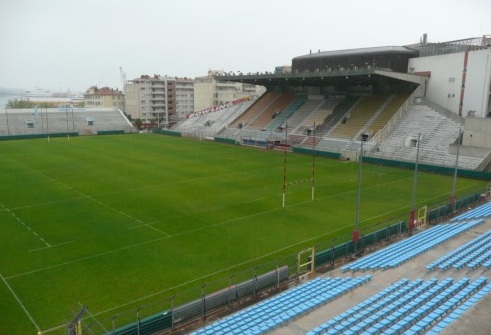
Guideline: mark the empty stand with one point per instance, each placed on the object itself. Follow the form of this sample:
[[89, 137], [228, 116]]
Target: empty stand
[[283, 116], [256, 109], [211, 123], [398, 253], [478, 212], [357, 118], [303, 112], [341, 109], [395, 102], [77, 120], [318, 116], [437, 132], [263, 118], [408, 307], [471, 254], [274, 312]]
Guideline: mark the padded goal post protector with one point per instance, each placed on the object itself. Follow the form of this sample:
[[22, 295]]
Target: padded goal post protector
[[356, 235], [412, 219]]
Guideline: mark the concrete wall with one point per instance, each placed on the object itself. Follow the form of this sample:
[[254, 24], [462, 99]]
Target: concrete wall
[[477, 132], [445, 83]]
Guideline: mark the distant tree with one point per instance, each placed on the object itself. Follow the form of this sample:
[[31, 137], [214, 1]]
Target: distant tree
[[20, 104], [138, 124], [25, 104]]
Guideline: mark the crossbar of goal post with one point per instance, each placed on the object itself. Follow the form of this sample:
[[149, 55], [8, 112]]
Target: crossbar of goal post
[[285, 184]]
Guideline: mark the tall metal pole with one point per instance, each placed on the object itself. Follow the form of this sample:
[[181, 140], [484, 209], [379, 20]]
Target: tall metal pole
[[356, 233], [7, 119], [47, 126], [313, 165], [412, 213], [454, 184], [66, 116], [284, 165]]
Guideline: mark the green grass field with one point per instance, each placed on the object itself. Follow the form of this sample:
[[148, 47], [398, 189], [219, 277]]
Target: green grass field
[[116, 222]]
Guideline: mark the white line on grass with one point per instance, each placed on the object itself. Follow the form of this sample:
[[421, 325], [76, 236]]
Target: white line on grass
[[87, 258], [216, 272], [150, 225], [20, 303], [53, 246], [249, 201], [160, 231], [25, 225], [83, 195]]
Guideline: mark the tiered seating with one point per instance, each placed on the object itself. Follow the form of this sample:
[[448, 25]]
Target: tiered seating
[[257, 108], [213, 122], [408, 307], [54, 120], [472, 254], [388, 112], [319, 116], [437, 133], [309, 106], [456, 313], [398, 253], [278, 105], [272, 313], [359, 117], [478, 212], [337, 114], [332, 144], [283, 116]]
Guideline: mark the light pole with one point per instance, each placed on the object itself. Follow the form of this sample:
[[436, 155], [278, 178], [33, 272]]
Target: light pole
[[203, 299], [7, 119], [412, 213], [356, 232], [453, 201], [230, 289]]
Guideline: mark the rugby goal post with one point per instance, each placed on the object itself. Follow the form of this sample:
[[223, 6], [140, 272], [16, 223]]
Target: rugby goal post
[[305, 262], [421, 216]]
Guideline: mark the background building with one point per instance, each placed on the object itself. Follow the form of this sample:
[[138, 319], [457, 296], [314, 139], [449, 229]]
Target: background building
[[104, 97], [459, 74], [159, 100], [184, 97], [208, 91]]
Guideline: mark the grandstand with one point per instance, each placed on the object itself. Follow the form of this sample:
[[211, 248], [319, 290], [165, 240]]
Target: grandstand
[[212, 123], [437, 130], [386, 96], [29, 123], [430, 283]]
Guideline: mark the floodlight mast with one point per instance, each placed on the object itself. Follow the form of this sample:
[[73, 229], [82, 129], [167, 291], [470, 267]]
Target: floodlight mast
[[284, 164], [453, 201], [356, 233], [313, 163], [412, 213]]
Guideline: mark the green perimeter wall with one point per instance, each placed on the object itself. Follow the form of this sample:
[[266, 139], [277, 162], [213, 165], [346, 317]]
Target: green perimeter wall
[[429, 168], [32, 136]]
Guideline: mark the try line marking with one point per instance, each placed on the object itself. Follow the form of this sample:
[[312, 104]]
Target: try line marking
[[21, 304]]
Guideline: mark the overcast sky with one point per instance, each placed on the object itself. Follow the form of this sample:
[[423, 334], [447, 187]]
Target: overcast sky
[[74, 44]]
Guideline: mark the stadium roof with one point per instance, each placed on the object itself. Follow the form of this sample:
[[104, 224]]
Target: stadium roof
[[360, 51], [362, 76]]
